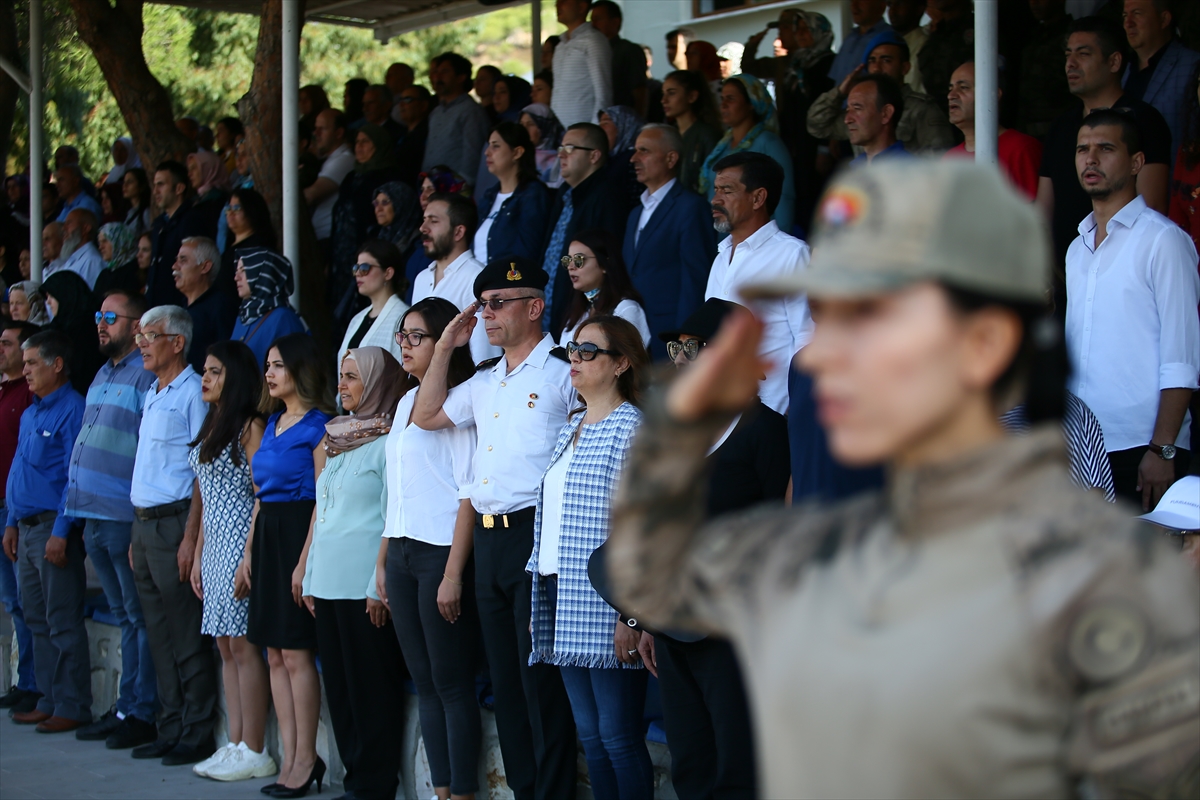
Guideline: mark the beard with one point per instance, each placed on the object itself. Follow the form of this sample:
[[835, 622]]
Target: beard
[[115, 347], [1104, 191], [722, 225], [70, 245], [438, 247]]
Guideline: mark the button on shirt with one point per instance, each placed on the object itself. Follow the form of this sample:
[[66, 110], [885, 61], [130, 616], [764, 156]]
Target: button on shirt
[[650, 202], [458, 286], [767, 255], [37, 481], [1132, 328], [101, 472], [517, 417], [582, 76], [171, 418]]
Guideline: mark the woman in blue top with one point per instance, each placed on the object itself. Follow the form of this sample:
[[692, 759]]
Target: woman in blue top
[[360, 657], [748, 113], [573, 628], [511, 213], [285, 469], [264, 284]]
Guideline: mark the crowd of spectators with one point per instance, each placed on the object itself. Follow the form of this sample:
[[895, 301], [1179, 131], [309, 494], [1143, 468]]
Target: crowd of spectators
[[165, 412]]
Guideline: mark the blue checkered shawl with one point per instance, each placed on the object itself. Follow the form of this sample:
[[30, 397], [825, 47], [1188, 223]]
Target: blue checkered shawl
[[582, 633]]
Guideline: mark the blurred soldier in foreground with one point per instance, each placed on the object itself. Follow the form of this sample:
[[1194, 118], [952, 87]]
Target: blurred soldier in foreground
[[978, 628]]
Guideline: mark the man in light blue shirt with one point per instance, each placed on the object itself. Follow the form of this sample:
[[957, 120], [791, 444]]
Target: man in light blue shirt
[[79, 242], [68, 178], [868, 21]]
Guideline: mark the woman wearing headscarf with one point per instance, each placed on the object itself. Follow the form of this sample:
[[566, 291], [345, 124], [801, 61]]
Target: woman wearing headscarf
[[749, 115], [800, 77], [26, 304], [546, 132], [210, 181], [118, 247], [264, 284], [72, 310], [510, 95], [398, 214], [360, 656], [622, 125], [124, 158], [353, 214]]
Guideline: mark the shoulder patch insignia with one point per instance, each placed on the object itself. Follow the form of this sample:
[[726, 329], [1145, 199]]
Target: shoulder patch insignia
[[487, 363], [560, 353], [1108, 640]]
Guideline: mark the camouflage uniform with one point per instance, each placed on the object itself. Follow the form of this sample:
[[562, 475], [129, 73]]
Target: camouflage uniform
[[1043, 88], [981, 628], [950, 44], [923, 126]]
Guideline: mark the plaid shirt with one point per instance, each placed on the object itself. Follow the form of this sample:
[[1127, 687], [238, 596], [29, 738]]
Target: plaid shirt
[[583, 628]]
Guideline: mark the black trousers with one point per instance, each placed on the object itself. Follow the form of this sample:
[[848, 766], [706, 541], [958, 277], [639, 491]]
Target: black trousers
[[533, 713], [707, 719], [361, 668], [1125, 463]]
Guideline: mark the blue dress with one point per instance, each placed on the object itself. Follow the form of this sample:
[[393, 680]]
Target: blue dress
[[228, 495], [260, 333]]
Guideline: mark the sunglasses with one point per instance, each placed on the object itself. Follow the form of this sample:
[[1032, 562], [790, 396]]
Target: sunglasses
[[587, 351], [414, 339], [362, 269], [233, 208], [690, 348], [578, 259], [498, 303], [110, 317], [571, 148]]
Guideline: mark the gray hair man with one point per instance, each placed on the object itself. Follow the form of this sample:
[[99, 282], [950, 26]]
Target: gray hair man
[[195, 274], [163, 542]]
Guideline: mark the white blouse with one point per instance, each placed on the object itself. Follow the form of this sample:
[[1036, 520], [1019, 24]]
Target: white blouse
[[380, 334], [553, 487], [629, 310]]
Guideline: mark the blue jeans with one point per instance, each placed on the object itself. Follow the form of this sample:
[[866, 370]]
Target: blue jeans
[[108, 546], [10, 596], [608, 705]]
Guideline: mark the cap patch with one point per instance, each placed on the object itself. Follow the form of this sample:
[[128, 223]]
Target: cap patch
[[513, 274], [843, 207]]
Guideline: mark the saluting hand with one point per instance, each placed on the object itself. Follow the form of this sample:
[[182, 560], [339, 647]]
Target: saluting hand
[[459, 331], [726, 379]]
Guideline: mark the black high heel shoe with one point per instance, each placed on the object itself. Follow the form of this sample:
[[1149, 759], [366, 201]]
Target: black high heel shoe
[[270, 787], [317, 774]]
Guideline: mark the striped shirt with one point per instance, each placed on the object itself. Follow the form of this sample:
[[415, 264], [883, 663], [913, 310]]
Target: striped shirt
[[582, 76], [1085, 444], [101, 468]]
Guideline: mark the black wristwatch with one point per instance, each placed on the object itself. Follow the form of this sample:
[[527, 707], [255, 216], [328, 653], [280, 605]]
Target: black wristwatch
[[1164, 451]]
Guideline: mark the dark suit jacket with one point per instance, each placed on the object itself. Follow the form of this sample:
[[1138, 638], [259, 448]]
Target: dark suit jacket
[[169, 232], [1169, 87], [670, 263], [596, 205], [517, 229]]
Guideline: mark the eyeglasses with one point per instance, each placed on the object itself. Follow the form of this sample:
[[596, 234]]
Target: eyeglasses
[[587, 351], [148, 338], [690, 348], [571, 148], [498, 303], [379, 202], [414, 338], [362, 269], [233, 208], [578, 260], [110, 317]]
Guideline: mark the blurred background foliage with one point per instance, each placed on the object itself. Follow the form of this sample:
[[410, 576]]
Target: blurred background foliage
[[205, 60]]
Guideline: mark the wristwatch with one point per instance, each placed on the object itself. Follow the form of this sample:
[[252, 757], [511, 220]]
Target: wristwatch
[[1164, 451]]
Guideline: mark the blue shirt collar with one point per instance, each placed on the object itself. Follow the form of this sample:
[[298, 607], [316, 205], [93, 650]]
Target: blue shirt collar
[[54, 398]]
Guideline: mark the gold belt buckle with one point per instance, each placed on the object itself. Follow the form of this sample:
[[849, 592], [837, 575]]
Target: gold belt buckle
[[489, 521]]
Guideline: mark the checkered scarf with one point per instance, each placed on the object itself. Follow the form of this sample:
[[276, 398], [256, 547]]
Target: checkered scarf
[[582, 633]]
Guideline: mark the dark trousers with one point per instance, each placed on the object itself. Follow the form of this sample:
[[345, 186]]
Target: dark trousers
[[182, 656], [361, 670], [53, 598], [533, 712], [441, 657], [1125, 463], [707, 719]]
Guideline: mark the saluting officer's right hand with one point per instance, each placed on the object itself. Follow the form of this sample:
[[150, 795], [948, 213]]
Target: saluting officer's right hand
[[459, 331]]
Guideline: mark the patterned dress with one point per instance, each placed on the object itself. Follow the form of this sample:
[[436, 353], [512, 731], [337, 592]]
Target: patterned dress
[[228, 496]]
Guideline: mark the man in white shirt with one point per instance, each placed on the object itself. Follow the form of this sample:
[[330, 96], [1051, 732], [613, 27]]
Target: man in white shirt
[[746, 190], [1132, 330], [446, 232], [79, 246], [582, 67], [329, 135], [517, 404]]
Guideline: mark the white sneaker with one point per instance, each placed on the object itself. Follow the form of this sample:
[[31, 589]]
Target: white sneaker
[[246, 764], [222, 753]]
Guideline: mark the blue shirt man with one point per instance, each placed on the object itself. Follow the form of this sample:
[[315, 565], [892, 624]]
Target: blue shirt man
[[868, 22]]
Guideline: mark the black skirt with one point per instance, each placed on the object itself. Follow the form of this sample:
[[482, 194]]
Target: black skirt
[[275, 620]]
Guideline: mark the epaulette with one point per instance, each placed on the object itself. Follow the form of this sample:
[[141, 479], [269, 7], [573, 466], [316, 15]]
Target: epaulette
[[560, 353], [487, 363]]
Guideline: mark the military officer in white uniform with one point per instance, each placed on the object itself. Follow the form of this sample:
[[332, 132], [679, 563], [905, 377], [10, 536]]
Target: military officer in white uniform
[[518, 402]]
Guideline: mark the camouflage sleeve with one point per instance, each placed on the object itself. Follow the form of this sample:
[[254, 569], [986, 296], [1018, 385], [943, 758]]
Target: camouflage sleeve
[[825, 117], [1131, 647], [931, 129]]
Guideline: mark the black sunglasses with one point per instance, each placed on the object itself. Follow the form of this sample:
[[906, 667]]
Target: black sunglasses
[[587, 351], [498, 303], [690, 348]]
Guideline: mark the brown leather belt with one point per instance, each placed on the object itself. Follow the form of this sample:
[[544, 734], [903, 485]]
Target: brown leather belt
[[165, 510]]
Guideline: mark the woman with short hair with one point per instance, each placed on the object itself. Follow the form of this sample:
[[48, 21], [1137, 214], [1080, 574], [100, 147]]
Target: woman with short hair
[[511, 209], [118, 248]]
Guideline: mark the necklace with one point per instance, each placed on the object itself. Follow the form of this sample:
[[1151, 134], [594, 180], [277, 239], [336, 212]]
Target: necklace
[[280, 427]]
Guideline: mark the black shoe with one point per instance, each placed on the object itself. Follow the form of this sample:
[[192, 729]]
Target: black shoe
[[11, 697], [317, 774], [27, 703], [270, 788], [156, 749], [131, 733], [188, 754], [100, 729]]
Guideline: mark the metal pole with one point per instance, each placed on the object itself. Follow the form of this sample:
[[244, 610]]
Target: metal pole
[[535, 12], [36, 137], [291, 142], [987, 71]]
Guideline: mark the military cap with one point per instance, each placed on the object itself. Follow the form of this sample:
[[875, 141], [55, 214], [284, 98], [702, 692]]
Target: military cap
[[510, 272], [704, 322]]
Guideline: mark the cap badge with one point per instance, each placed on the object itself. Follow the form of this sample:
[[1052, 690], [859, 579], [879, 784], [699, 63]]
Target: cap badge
[[513, 274], [843, 206]]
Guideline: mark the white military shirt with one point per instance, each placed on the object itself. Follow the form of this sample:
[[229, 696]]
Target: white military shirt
[[518, 416]]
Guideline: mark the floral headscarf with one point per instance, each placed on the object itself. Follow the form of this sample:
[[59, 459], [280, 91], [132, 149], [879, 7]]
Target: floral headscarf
[[383, 384], [806, 58], [764, 111], [552, 130], [406, 206], [212, 172], [445, 180], [124, 244], [628, 123], [270, 277]]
